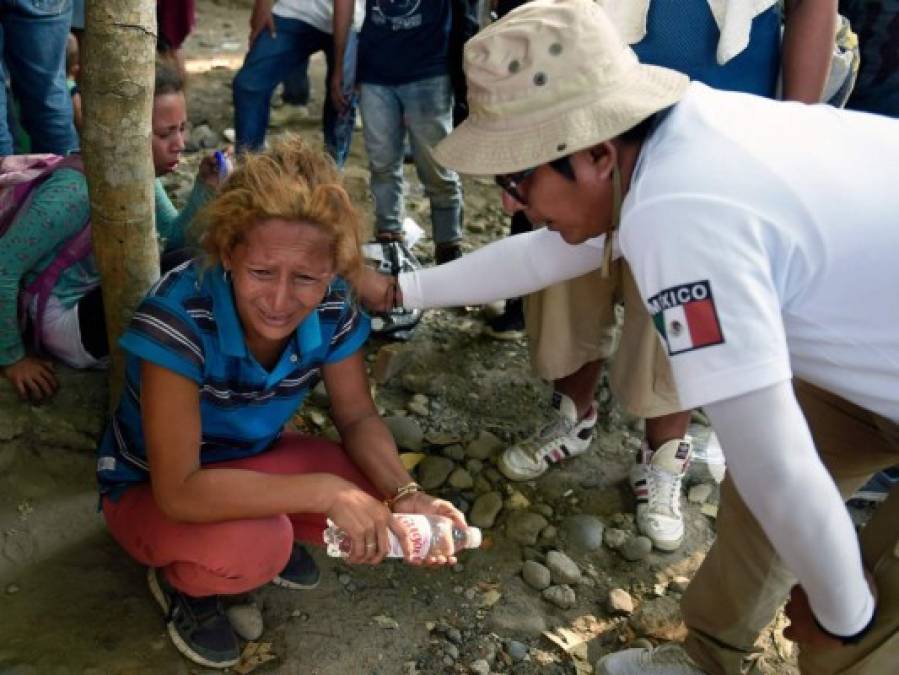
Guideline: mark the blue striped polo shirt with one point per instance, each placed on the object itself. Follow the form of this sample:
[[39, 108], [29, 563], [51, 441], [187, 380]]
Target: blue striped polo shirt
[[188, 323]]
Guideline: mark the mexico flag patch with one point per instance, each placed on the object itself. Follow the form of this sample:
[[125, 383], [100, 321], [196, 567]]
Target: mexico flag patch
[[686, 318]]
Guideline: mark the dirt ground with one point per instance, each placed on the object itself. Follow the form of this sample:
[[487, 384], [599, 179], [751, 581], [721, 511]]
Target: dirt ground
[[72, 602]]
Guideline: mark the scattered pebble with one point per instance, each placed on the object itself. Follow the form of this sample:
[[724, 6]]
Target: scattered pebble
[[636, 548], [678, 584], [561, 596], [562, 568], [615, 538], [535, 575], [523, 527], [479, 667], [246, 620], [12, 589], [583, 532], [620, 602], [485, 509], [461, 479], [485, 446], [433, 471], [516, 650], [419, 405]]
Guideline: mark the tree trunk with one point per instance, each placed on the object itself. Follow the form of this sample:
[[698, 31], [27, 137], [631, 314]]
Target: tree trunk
[[118, 73]]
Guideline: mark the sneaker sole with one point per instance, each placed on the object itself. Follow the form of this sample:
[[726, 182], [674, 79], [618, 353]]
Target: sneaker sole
[[294, 586], [513, 474], [505, 336], [159, 595]]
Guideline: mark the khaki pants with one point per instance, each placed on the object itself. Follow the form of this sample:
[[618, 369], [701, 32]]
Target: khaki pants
[[573, 323], [742, 582]]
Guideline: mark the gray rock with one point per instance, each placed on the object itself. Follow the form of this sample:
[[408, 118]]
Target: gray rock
[[455, 452], [433, 471], [494, 476], [699, 494], [453, 634], [583, 532], [482, 485], [449, 661], [419, 405], [620, 602], [659, 618], [246, 620], [636, 548], [479, 667], [615, 538], [560, 596], [461, 479], [451, 650], [519, 615], [535, 575], [548, 535], [523, 527], [201, 136], [678, 585], [484, 446], [485, 509], [562, 568], [406, 431], [516, 650], [544, 510], [474, 466]]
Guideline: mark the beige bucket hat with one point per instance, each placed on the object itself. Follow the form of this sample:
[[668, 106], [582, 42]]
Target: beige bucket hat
[[550, 78]]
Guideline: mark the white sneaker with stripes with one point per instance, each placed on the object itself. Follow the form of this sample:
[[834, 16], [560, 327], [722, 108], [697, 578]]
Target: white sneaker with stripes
[[656, 480], [669, 659], [563, 437]]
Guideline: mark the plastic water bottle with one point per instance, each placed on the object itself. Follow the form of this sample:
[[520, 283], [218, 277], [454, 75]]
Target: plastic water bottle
[[427, 533]]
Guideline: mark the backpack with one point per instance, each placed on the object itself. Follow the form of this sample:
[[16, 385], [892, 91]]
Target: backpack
[[20, 176]]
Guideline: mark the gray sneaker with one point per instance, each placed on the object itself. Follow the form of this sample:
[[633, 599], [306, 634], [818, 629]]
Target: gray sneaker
[[669, 659]]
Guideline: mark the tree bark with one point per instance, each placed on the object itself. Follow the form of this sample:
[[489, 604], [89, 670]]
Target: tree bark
[[118, 74]]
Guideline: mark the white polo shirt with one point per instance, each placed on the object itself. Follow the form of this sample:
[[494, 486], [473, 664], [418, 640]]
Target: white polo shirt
[[317, 13], [756, 268]]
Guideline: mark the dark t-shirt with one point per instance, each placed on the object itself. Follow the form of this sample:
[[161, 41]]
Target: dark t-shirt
[[404, 41]]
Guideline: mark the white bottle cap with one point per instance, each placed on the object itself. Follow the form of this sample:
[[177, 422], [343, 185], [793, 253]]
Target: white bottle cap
[[473, 537]]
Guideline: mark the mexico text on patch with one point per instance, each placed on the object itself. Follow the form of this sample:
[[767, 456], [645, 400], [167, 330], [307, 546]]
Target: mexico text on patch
[[686, 318]]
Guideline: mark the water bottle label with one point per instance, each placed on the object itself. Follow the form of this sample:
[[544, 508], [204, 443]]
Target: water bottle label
[[420, 535]]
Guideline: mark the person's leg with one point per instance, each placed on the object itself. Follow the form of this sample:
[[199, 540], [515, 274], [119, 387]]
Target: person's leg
[[571, 331], [742, 582], [34, 46], [338, 127], [429, 110], [296, 85], [383, 132], [268, 62], [642, 383]]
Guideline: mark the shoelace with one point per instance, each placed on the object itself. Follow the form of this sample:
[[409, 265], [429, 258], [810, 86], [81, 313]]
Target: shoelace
[[664, 495]]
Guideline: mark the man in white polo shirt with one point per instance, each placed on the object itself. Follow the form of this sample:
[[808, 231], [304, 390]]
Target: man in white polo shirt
[[760, 236]]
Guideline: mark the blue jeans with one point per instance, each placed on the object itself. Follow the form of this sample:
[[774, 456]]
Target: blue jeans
[[33, 37], [425, 109], [271, 60]]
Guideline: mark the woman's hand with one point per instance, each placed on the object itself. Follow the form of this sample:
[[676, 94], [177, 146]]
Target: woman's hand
[[215, 167], [33, 378], [378, 292], [364, 519], [425, 504]]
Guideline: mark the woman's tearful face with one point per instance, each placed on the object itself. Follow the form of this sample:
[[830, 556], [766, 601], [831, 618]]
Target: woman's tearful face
[[280, 273]]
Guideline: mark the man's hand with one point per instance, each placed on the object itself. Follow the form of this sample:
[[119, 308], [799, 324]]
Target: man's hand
[[33, 378], [338, 99], [375, 292], [261, 19], [803, 628]]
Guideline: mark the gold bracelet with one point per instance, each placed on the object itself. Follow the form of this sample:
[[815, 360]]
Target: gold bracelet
[[401, 492]]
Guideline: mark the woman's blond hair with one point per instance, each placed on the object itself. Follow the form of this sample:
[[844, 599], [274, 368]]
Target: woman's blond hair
[[289, 181]]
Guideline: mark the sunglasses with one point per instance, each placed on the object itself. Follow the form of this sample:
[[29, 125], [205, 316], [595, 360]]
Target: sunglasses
[[511, 182]]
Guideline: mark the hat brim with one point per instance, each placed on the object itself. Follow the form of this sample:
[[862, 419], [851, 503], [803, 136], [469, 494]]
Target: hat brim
[[483, 148]]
